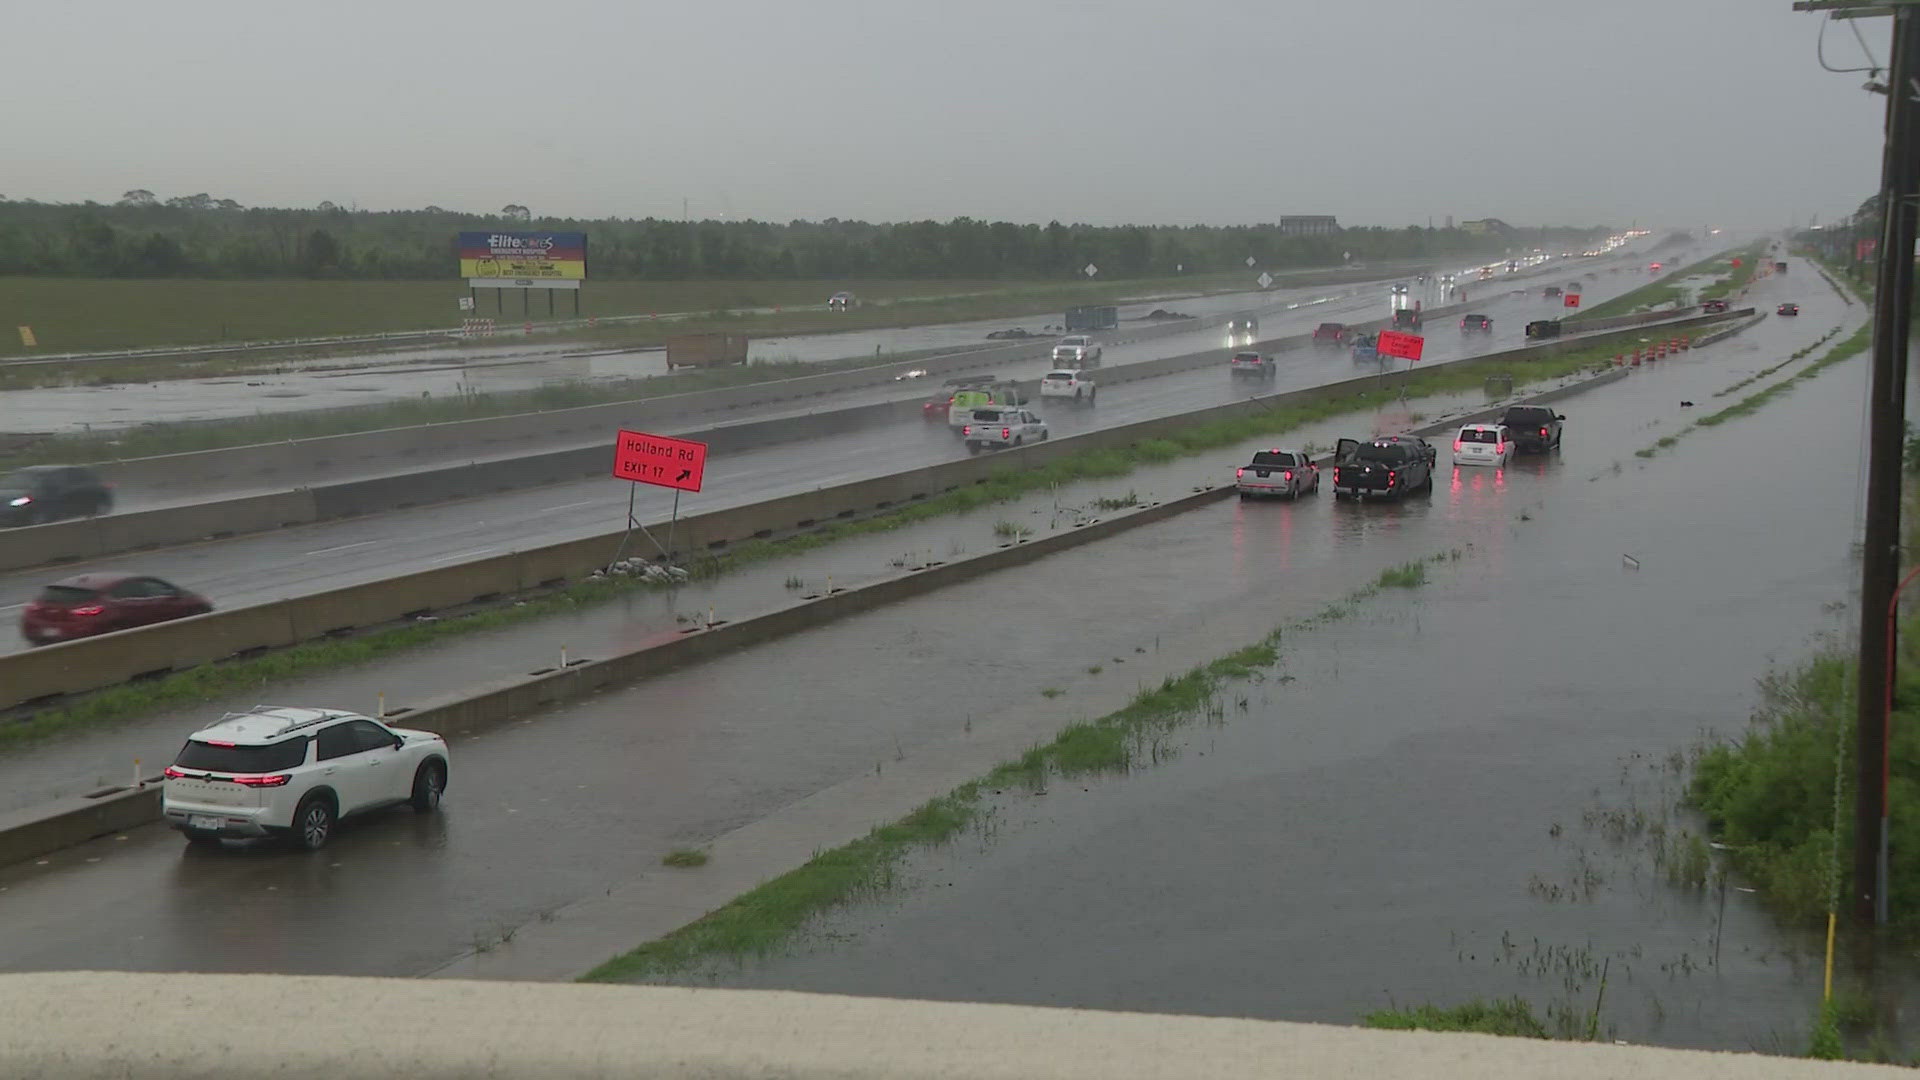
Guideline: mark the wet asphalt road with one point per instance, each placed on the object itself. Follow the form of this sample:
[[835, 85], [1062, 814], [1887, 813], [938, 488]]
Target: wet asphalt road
[[549, 810], [287, 562], [452, 369], [1406, 819]]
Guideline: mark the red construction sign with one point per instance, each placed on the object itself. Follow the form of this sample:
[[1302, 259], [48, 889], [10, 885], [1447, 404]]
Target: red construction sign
[[1572, 299], [1404, 346], [660, 460], [1736, 264]]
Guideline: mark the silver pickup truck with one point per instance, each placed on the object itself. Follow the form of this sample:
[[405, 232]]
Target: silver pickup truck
[[1285, 473], [993, 428]]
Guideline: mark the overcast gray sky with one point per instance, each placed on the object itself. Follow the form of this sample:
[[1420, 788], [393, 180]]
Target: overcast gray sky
[[1214, 111]]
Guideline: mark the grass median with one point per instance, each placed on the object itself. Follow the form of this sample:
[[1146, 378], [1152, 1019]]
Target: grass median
[[1669, 291], [762, 920], [209, 681]]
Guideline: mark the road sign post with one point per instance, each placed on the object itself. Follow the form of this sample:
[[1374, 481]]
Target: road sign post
[[662, 461]]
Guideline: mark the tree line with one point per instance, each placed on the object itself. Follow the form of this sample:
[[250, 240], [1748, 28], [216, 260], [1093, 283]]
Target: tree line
[[201, 235]]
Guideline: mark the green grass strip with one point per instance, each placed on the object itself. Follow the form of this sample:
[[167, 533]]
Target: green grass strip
[[209, 681], [762, 920], [1798, 354], [1511, 1016]]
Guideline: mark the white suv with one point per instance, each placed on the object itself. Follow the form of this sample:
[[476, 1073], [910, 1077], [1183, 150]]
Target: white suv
[[1075, 387], [278, 771]]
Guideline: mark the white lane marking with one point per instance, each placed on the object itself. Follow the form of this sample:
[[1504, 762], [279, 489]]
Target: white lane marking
[[569, 506], [11, 607], [461, 555], [344, 547]]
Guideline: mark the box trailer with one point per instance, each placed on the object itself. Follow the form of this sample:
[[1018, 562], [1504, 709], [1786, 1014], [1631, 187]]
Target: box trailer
[[706, 350], [1091, 318]]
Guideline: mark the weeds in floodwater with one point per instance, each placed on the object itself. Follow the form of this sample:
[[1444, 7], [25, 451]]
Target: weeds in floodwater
[[1142, 732], [1095, 669], [795, 582], [1405, 576], [1752, 403], [1121, 502], [1011, 530], [684, 857], [1051, 692], [1511, 1016]]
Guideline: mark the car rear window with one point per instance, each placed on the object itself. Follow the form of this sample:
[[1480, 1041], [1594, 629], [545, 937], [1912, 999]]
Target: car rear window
[[1246, 358], [1281, 459], [242, 759], [66, 594], [988, 416], [1479, 435], [1062, 374], [1529, 415]]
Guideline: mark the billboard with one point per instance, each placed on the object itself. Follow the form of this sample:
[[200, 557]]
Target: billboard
[[523, 260]]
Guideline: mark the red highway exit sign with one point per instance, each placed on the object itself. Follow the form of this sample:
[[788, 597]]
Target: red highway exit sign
[[1404, 346], [660, 460]]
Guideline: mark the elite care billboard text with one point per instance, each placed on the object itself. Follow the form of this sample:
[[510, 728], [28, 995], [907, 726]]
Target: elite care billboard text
[[519, 259]]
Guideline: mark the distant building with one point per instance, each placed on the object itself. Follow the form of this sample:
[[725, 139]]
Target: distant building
[[1486, 226], [1308, 225]]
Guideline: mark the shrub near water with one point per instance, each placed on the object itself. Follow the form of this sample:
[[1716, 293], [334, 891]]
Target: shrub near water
[[1770, 795]]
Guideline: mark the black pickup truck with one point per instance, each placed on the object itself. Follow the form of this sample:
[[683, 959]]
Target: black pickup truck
[[1540, 329], [1533, 427], [1389, 467]]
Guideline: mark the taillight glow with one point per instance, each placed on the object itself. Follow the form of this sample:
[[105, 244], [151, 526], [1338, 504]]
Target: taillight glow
[[173, 772], [1391, 477], [1456, 446], [276, 780], [1238, 473], [1543, 433], [967, 430], [1288, 475], [1007, 433], [90, 609], [217, 742]]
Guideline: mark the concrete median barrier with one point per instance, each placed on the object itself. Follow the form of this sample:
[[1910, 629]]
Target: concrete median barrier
[[88, 538]]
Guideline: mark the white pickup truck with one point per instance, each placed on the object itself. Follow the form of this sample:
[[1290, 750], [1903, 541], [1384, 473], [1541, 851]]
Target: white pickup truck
[[1074, 387], [999, 427], [1075, 351]]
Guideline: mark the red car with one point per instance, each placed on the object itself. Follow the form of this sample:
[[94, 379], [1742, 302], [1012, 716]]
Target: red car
[[101, 603]]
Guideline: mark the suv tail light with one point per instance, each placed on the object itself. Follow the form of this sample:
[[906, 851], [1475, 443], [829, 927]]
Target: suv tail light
[[1288, 475], [173, 772], [967, 429], [1391, 477], [1543, 433], [1007, 433], [1456, 446], [276, 780]]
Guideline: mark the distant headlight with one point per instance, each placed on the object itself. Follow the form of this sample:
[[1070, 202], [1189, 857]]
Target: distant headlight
[[21, 501]]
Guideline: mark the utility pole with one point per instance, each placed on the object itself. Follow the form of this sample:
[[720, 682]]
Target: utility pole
[[1880, 562]]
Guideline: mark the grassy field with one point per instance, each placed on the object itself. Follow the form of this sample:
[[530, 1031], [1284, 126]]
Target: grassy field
[[78, 314]]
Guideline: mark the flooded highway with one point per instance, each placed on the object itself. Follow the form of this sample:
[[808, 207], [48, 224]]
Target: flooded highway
[[1423, 803], [572, 802]]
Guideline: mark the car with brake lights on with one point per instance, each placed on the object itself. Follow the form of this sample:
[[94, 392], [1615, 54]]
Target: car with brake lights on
[[39, 494], [1258, 365], [1551, 292], [279, 771], [1070, 385], [1287, 474], [1787, 309], [1533, 427], [979, 392], [1330, 333], [90, 604], [1407, 319], [1713, 307], [996, 428], [840, 301], [1482, 444], [1476, 323], [1389, 467]]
